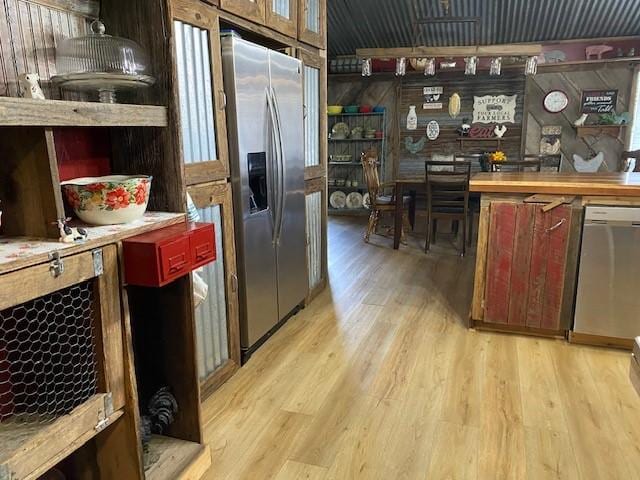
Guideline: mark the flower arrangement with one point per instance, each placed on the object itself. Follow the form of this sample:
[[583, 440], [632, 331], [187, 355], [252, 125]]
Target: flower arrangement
[[497, 156]]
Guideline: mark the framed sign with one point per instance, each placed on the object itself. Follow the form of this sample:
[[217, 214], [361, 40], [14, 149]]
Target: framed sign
[[599, 101], [494, 109], [432, 98]]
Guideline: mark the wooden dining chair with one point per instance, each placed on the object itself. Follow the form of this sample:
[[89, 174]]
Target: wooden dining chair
[[550, 163], [447, 187], [382, 196], [516, 166]]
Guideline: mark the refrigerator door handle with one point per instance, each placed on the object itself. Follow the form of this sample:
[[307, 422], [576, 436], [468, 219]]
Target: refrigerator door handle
[[275, 176], [281, 161]]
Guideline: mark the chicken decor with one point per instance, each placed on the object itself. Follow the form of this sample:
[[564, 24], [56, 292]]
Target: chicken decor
[[589, 164], [161, 411], [414, 147]]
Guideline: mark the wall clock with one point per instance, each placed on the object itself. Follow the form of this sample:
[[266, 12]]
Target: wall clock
[[555, 101]]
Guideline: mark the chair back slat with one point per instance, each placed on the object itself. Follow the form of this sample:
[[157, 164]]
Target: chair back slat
[[547, 162], [517, 165], [369, 160], [447, 184]]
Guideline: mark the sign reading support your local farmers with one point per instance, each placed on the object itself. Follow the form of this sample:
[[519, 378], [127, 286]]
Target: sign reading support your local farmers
[[494, 109]]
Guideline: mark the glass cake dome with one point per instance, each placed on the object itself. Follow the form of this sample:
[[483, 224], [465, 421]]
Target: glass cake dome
[[102, 63]]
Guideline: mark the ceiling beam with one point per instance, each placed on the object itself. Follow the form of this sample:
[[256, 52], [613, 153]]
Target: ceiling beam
[[507, 50]]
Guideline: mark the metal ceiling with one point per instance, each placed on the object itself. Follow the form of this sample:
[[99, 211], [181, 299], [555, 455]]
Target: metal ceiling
[[389, 23]]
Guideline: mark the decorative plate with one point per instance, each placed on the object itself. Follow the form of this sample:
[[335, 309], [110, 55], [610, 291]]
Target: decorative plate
[[433, 130], [366, 201], [338, 199], [555, 101], [340, 131], [354, 200]]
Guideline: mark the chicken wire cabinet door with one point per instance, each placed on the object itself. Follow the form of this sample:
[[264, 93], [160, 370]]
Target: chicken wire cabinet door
[[316, 228], [253, 10], [312, 22], [282, 16], [61, 358], [217, 328], [200, 95]]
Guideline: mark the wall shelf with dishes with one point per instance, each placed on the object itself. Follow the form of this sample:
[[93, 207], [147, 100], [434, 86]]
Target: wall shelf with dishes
[[352, 130]]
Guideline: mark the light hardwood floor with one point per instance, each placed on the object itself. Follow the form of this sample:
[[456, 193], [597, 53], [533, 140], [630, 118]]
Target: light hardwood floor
[[378, 378]]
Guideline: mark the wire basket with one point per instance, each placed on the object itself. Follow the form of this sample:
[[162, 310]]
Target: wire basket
[[47, 357]]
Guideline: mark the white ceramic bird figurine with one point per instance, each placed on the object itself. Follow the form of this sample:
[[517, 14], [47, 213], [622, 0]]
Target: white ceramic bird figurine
[[30, 86], [580, 121], [590, 165], [500, 130]]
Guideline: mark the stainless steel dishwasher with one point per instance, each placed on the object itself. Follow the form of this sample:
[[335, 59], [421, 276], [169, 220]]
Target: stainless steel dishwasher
[[608, 297]]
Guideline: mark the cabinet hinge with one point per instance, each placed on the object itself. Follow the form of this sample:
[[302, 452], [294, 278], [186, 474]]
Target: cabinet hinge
[[105, 413], [98, 266]]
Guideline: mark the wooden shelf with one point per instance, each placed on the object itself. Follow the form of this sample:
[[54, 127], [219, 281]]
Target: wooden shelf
[[28, 449], [174, 459], [356, 139], [598, 130], [22, 112], [20, 252]]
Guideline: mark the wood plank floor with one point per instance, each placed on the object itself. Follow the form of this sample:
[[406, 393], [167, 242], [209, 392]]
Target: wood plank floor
[[378, 378]]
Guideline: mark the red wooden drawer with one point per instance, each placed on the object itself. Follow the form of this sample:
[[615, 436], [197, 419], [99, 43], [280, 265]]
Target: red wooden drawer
[[174, 258], [203, 244], [156, 258]]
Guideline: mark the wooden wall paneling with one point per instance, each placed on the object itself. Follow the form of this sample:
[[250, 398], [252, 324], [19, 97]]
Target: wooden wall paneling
[[538, 270], [573, 83], [287, 25], [206, 195], [199, 168], [253, 10], [502, 229], [559, 220], [151, 151], [29, 32], [519, 285], [479, 283], [29, 191], [318, 61], [448, 142], [306, 31]]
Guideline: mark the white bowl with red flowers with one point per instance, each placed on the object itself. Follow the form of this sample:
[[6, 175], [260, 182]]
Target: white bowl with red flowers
[[108, 200]]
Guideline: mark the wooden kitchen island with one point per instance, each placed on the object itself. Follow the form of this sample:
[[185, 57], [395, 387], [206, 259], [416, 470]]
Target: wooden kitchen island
[[529, 242]]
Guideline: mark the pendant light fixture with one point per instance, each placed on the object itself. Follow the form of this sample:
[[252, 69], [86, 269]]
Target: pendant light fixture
[[401, 66], [495, 67], [366, 67], [531, 67], [430, 67], [470, 65]]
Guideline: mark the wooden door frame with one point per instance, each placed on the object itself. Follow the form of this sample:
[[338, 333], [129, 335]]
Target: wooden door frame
[[211, 194], [201, 15], [317, 39], [254, 11], [317, 60], [287, 26]]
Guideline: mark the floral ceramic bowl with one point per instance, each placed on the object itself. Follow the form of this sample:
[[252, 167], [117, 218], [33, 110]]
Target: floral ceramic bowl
[[108, 200]]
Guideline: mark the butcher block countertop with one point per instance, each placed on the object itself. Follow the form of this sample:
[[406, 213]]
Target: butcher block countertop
[[608, 183]]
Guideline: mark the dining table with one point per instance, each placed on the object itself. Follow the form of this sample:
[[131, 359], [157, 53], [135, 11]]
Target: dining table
[[402, 185]]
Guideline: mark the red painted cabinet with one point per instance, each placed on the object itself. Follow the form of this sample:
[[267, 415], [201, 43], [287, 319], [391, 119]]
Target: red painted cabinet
[[526, 264], [156, 258]]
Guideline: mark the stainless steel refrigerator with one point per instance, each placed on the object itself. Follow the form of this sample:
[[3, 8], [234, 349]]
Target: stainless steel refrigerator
[[266, 145]]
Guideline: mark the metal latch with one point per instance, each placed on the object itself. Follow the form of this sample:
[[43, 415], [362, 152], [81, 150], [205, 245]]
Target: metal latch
[[56, 267], [98, 266], [105, 414]]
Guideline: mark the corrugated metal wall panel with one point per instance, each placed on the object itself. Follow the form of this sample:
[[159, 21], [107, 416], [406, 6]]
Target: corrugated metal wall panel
[[195, 92], [312, 118], [211, 315], [314, 238], [379, 23]]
